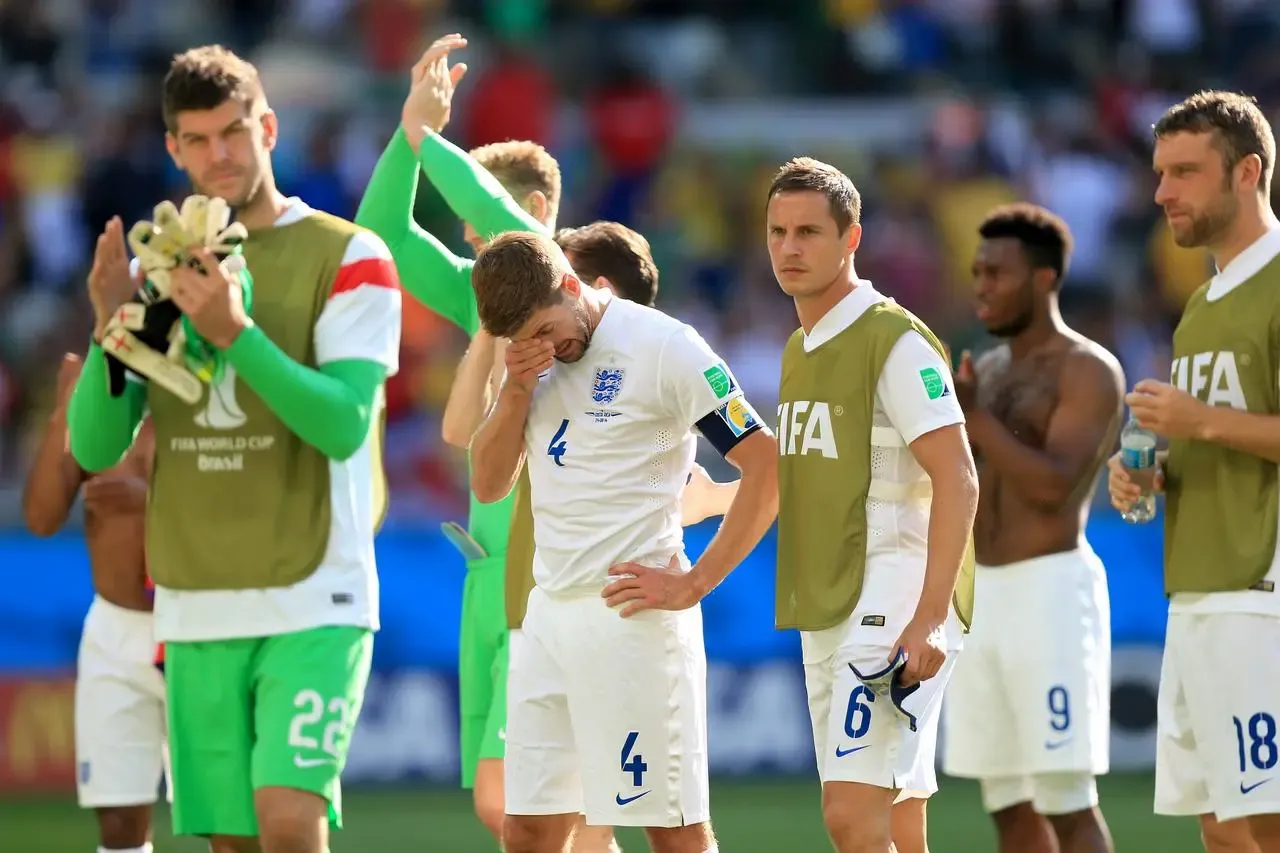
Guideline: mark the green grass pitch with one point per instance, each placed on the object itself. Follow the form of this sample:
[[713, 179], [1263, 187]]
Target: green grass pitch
[[767, 816]]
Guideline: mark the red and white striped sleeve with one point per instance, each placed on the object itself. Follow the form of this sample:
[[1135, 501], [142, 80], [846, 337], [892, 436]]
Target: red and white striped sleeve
[[361, 320]]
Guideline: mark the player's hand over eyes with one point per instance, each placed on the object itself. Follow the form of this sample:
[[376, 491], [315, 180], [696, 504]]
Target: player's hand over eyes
[[642, 588], [526, 360], [923, 643], [1123, 489]]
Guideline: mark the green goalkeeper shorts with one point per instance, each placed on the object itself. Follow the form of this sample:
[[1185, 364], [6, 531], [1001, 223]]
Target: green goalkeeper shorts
[[482, 665], [261, 712]]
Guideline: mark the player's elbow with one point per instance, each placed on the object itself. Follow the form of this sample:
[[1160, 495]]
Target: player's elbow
[[40, 521]]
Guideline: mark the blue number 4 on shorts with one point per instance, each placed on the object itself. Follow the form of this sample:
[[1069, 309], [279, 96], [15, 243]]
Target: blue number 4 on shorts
[[632, 763]]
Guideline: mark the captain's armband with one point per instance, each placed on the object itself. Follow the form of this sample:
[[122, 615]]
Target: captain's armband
[[729, 423]]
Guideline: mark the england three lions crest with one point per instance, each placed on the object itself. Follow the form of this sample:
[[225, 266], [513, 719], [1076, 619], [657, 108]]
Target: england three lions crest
[[607, 385]]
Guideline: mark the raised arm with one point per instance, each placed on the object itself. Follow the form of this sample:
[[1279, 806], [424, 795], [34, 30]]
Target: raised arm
[[430, 272], [468, 188], [1078, 436], [471, 192]]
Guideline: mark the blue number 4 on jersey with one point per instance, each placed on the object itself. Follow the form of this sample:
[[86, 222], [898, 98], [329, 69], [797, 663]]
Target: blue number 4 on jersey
[[556, 448]]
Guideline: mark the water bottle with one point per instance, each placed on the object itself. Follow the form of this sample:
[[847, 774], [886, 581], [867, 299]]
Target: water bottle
[[1138, 455]]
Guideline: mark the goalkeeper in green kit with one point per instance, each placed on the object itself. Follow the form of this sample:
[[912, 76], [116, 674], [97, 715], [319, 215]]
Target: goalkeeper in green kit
[[482, 188], [265, 493]]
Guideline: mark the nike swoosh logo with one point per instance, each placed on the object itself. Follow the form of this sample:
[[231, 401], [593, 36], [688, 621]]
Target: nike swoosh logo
[[1244, 789], [1057, 744], [622, 801], [304, 763], [841, 753]]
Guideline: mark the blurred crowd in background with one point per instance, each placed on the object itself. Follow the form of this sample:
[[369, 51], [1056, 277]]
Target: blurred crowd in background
[[669, 116]]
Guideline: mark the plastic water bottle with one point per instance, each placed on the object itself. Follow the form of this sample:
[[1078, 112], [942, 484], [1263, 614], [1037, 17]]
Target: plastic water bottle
[[1138, 454]]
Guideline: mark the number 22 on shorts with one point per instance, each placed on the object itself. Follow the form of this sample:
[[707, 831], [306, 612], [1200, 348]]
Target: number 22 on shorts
[[558, 445], [311, 709]]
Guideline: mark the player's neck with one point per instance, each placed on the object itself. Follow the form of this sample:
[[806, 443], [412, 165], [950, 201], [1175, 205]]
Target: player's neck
[[1248, 228], [596, 301], [1039, 332], [264, 208], [811, 309]]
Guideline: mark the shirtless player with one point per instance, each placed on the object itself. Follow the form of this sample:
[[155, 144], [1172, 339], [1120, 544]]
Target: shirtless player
[[119, 705], [1028, 708]]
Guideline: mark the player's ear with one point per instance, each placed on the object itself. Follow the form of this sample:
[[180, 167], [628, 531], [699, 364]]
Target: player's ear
[[1044, 280], [270, 129], [571, 285], [854, 239], [602, 283], [171, 145], [536, 204], [1249, 171]]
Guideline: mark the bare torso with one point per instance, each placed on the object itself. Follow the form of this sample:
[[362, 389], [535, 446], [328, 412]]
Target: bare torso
[[1023, 395]]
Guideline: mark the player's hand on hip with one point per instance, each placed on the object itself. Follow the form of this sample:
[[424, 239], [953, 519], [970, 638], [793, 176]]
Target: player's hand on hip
[[1165, 410], [639, 588], [211, 297], [110, 284], [923, 643], [526, 360], [431, 87]]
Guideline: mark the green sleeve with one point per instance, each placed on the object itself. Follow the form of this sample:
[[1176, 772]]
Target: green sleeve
[[330, 408], [430, 273], [100, 428], [471, 192]]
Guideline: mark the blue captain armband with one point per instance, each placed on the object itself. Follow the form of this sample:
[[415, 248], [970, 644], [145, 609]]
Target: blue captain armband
[[729, 423]]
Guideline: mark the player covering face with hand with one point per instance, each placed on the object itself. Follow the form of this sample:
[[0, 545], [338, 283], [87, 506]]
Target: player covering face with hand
[[606, 427]]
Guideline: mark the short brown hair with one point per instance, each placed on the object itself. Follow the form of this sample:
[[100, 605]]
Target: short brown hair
[[805, 174], [518, 273], [614, 251], [1045, 238], [522, 167], [203, 78], [1239, 128]]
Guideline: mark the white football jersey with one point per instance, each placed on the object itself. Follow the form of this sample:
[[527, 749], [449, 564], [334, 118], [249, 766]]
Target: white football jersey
[[610, 444]]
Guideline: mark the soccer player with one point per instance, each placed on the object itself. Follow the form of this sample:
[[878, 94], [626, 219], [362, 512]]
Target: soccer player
[[480, 187], [484, 188], [264, 497], [1216, 748], [608, 713], [120, 727], [877, 498], [1029, 704]]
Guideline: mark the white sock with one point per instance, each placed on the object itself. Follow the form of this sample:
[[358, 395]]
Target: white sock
[[146, 848]]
